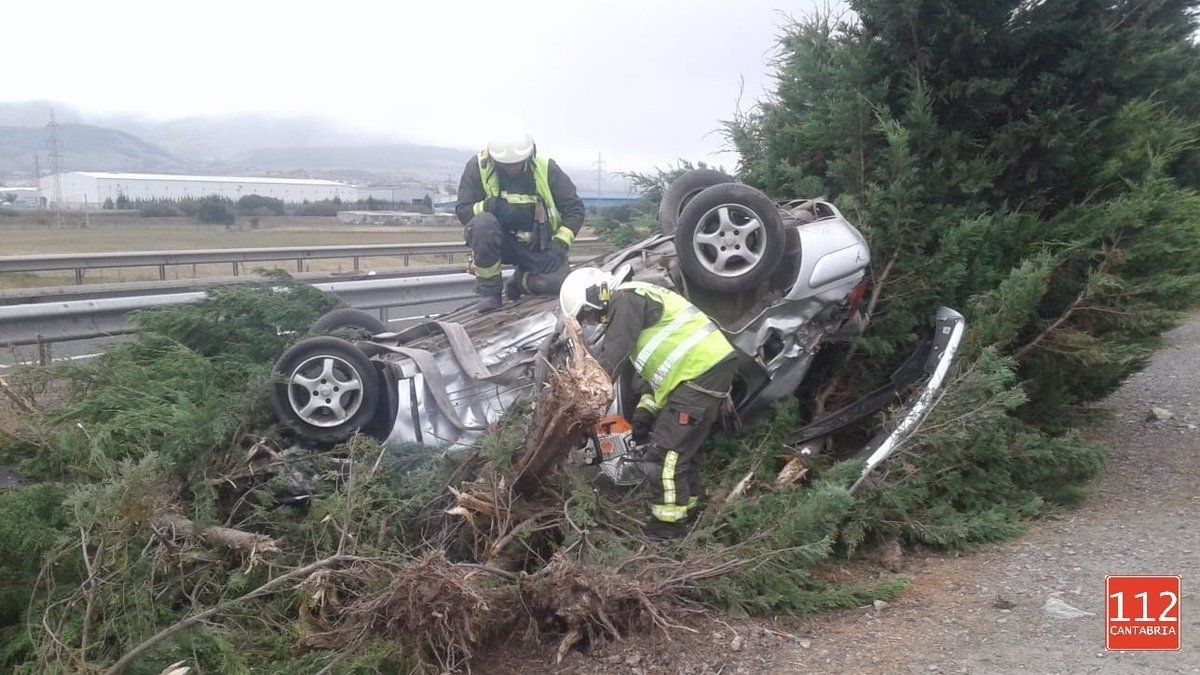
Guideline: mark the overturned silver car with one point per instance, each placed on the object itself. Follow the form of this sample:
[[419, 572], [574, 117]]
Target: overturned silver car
[[779, 279]]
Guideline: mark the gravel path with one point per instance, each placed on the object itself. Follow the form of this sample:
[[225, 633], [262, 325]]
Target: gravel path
[[1142, 518], [983, 613]]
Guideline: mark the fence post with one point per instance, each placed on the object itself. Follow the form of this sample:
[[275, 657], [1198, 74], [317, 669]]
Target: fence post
[[43, 348]]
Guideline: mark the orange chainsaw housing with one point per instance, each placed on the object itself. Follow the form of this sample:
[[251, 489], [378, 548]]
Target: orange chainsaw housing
[[614, 437]]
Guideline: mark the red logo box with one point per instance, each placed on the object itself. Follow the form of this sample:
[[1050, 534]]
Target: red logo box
[[1142, 613]]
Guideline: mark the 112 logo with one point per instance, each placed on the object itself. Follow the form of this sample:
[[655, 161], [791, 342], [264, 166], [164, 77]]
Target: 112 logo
[[1142, 613]]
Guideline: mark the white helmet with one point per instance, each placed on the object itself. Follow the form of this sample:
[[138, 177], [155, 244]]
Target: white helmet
[[511, 149], [574, 295]]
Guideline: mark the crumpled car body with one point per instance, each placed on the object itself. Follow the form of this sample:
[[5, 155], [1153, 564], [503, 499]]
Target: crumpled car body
[[445, 382]]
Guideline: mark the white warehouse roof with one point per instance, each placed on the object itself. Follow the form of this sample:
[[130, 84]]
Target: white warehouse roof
[[210, 179]]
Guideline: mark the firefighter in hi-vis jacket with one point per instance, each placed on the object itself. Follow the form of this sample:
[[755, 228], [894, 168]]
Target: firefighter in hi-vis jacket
[[518, 208], [688, 364]]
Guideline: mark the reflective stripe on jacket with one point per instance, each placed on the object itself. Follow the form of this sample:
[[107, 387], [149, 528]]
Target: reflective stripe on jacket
[[541, 181], [683, 345]]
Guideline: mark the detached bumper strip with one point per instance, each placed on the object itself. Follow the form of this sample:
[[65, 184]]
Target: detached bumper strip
[[948, 320], [908, 374], [434, 382]]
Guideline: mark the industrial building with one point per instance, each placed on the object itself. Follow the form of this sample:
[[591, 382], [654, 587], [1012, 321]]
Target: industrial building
[[93, 188], [19, 197]]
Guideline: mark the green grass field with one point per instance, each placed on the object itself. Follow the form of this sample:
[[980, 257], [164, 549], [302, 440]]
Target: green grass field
[[36, 234], [25, 235]]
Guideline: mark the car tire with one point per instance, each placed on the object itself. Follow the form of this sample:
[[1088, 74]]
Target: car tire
[[325, 390], [348, 322], [730, 238], [379, 426], [681, 191]]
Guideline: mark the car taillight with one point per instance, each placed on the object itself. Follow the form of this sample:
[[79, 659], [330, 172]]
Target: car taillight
[[854, 300]]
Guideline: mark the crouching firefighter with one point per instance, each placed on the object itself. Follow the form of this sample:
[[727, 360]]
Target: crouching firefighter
[[686, 361], [518, 208]]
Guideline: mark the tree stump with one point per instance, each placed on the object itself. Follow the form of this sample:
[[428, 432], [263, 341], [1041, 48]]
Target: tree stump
[[570, 402]]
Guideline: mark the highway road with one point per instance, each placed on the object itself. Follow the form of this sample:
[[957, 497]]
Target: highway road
[[396, 317]]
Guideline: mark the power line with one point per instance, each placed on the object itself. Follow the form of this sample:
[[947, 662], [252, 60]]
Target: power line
[[54, 147], [599, 164]]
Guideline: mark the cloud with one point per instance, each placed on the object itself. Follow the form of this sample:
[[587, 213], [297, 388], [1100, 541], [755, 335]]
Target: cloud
[[641, 82]]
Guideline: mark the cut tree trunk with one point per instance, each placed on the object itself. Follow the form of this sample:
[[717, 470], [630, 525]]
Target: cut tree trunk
[[572, 401], [246, 543]]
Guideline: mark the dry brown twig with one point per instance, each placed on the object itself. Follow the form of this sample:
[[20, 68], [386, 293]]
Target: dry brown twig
[[186, 623], [19, 399]]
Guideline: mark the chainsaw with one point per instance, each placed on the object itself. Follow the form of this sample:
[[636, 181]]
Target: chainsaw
[[612, 448]]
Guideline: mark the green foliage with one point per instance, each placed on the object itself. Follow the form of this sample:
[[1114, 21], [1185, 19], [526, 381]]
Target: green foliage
[[628, 224], [974, 473], [138, 428], [989, 172], [1033, 164], [159, 210], [216, 211], [996, 167], [498, 447], [249, 323], [789, 531], [257, 205], [325, 208], [651, 186], [31, 521], [624, 232]]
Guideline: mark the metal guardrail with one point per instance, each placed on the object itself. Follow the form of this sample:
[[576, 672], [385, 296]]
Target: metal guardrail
[[237, 257], [44, 323], [99, 318]]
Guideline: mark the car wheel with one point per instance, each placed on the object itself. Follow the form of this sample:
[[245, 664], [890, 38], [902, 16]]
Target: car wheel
[[326, 389], [730, 238], [379, 426], [680, 192], [350, 322]]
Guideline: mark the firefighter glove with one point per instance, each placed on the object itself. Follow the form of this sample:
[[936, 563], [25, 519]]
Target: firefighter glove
[[499, 207], [643, 420], [559, 248], [553, 259]]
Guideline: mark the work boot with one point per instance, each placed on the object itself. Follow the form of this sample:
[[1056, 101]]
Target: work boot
[[489, 294], [514, 288], [488, 303], [664, 531]]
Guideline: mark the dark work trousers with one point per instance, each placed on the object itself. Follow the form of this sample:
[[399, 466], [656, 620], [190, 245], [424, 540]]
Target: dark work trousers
[[492, 245], [679, 430]]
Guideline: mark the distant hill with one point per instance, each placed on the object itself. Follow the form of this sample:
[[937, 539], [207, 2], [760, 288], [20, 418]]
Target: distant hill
[[92, 148], [216, 139], [84, 148], [251, 144], [391, 159]]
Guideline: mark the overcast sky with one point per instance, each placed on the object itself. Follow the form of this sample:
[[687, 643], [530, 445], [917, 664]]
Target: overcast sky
[[642, 81]]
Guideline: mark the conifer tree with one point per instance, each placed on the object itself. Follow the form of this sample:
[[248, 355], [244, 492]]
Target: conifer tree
[[1033, 164], [1032, 161]]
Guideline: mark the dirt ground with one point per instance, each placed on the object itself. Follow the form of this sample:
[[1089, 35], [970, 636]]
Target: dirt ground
[[983, 613]]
